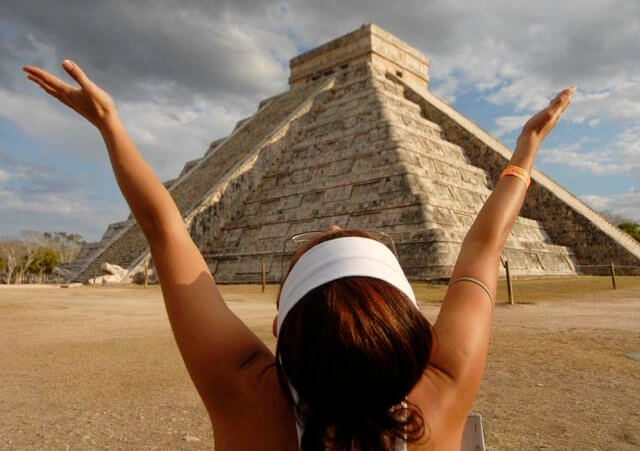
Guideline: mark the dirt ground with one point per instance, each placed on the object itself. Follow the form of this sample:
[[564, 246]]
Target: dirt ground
[[97, 367]]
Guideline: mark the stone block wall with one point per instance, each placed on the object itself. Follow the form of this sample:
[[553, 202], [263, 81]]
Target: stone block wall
[[353, 150], [365, 157], [368, 44]]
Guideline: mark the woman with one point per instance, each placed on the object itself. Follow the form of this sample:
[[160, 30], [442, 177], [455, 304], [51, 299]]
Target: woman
[[357, 364]]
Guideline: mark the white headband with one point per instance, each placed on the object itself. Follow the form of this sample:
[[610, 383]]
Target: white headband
[[338, 258]]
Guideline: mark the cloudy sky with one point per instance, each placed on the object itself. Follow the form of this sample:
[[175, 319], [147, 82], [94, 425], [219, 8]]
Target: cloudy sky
[[183, 72]]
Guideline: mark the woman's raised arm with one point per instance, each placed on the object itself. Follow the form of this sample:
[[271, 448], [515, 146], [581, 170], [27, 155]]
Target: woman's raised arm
[[464, 323], [220, 352]]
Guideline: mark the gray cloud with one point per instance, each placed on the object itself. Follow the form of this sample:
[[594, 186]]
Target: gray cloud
[[627, 204], [236, 51], [142, 50], [41, 178], [508, 124], [38, 196], [622, 156], [71, 212], [182, 72]]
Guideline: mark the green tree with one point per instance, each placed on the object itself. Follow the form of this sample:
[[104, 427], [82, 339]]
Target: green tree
[[632, 228], [45, 260]]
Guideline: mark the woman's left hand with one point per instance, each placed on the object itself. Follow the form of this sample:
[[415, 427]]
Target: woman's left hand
[[541, 124]]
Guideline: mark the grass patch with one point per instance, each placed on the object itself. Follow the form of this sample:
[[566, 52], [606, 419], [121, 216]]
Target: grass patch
[[527, 290], [534, 289]]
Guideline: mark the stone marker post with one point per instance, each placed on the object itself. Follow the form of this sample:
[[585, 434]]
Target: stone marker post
[[509, 285], [613, 276]]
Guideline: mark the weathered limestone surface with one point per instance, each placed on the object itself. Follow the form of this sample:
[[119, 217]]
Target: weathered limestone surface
[[369, 43], [365, 157], [358, 141]]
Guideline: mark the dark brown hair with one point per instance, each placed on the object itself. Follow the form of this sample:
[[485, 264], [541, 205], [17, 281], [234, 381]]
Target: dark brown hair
[[353, 349]]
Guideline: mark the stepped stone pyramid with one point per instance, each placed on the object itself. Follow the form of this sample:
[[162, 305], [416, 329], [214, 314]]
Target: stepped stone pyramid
[[359, 141]]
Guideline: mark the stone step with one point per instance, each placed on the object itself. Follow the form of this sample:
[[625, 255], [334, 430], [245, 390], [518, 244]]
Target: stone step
[[114, 228], [347, 115], [416, 257], [241, 122], [189, 165], [234, 150], [84, 255], [272, 238], [167, 183], [398, 103], [409, 117], [336, 175], [354, 122], [346, 209], [371, 171], [273, 98], [302, 157], [453, 172], [437, 149], [333, 106], [214, 145]]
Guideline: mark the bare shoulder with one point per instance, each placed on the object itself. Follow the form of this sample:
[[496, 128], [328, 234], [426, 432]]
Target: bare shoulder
[[262, 415], [444, 412]]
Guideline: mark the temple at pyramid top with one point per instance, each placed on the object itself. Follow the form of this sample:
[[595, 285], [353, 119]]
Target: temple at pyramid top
[[368, 43], [359, 141]]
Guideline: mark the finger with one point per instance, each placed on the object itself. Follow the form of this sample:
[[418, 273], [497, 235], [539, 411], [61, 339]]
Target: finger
[[49, 90], [566, 94], [562, 100], [48, 78], [39, 80], [54, 93], [78, 74], [45, 86], [41, 83]]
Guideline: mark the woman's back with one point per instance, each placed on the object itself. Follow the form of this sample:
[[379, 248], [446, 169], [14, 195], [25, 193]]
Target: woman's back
[[265, 420]]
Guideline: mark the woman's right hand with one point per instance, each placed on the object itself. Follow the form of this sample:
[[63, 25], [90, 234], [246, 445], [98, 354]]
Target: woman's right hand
[[88, 100]]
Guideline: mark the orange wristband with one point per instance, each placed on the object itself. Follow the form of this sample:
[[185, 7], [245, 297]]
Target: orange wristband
[[516, 171]]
